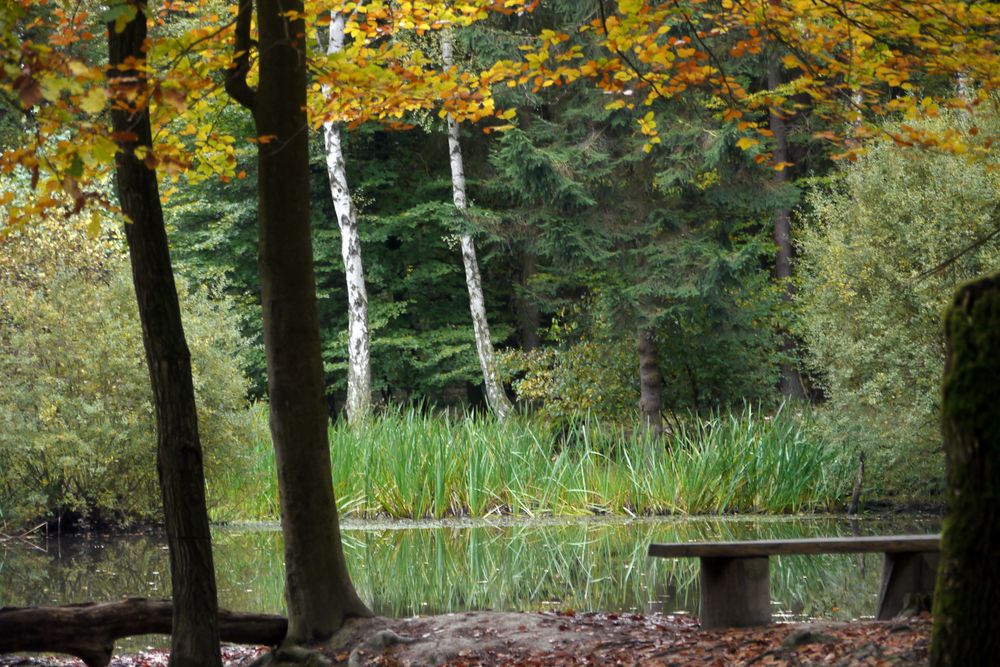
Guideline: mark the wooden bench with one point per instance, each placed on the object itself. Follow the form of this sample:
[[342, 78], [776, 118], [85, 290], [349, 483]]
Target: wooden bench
[[735, 585]]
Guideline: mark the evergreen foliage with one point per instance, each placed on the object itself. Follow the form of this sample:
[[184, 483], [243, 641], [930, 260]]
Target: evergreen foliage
[[422, 344], [673, 243]]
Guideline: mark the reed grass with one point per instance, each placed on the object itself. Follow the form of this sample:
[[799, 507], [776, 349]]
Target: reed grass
[[408, 463]]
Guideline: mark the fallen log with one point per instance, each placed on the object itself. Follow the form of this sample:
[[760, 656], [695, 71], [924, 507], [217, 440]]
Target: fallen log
[[89, 630]]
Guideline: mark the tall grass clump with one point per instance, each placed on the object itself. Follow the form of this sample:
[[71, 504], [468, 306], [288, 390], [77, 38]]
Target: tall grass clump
[[750, 461], [409, 463]]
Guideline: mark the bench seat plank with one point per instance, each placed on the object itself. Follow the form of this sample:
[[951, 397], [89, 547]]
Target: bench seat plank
[[805, 546]]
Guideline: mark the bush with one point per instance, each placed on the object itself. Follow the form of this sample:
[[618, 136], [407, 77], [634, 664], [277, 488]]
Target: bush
[[589, 377], [77, 427], [869, 311]]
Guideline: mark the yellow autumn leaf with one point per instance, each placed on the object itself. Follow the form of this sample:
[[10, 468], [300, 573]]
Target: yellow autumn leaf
[[94, 225], [94, 101], [51, 88]]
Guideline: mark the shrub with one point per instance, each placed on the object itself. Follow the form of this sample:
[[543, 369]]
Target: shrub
[[77, 428], [870, 304]]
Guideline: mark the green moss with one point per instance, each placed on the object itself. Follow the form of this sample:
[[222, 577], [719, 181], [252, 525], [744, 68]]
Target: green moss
[[966, 627]]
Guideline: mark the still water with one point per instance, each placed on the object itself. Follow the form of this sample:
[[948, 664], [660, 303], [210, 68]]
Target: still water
[[403, 569]]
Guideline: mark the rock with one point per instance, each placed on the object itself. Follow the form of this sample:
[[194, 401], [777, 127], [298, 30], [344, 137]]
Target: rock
[[806, 634]]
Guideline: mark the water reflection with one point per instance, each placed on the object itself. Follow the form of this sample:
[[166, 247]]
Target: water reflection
[[411, 568]]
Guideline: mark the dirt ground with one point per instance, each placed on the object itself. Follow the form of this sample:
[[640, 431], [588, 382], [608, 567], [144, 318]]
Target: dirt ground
[[569, 639]]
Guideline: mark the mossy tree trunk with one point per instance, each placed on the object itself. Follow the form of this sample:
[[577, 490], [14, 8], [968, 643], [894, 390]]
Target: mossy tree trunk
[[194, 640], [966, 623]]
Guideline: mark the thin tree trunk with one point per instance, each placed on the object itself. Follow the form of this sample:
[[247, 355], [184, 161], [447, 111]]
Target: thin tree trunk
[[859, 480], [194, 641], [359, 375], [791, 381], [650, 384], [966, 626], [318, 589], [527, 311], [495, 394]]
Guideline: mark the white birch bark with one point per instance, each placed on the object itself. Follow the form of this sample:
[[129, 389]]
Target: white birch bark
[[495, 395], [359, 377]]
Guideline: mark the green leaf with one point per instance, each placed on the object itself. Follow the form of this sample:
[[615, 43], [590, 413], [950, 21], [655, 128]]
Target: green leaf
[[120, 13], [76, 167]]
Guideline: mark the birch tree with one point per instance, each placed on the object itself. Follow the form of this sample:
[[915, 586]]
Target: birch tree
[[359, 374], [495, 394]]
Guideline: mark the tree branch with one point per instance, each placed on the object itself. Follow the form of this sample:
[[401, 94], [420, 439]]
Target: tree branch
[[975, 245], [236, 73], [602, 13]]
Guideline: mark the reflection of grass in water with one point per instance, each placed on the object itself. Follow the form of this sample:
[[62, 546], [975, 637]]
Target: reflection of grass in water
[[581, 566], [524, 566], [409, 464]]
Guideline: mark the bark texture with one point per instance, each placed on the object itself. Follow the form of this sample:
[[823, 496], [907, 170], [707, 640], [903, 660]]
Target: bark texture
[[195, 640], [650, 383], [966, 624], [318, 589], [89, 630], [495, 394], [791, 381], [359, 375]]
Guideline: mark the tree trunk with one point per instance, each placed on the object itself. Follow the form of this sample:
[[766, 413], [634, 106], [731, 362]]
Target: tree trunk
[[495, 394], [966, 626], [89, 630], [359, 374], [650, 384], [791, 381], [318, 590], [195, 638], [529, 318]]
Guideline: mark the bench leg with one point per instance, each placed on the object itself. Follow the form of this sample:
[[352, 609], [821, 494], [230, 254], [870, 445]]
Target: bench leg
[[908, 579], [735, 592]]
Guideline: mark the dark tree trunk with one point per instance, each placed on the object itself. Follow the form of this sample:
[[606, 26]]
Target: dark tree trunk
[[650, 383], [529, 318], [966, 624], [791, 381], [195, 638], [318, 590]]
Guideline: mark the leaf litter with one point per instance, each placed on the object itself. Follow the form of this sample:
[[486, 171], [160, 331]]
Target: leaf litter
[[569, 639]]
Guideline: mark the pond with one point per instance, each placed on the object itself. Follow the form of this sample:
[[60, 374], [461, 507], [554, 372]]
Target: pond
[[409, 568]]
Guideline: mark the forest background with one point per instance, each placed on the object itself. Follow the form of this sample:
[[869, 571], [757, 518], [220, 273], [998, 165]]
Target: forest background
[[659, 354]]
